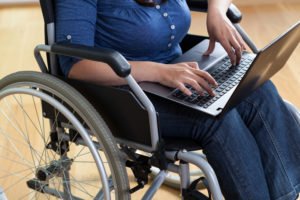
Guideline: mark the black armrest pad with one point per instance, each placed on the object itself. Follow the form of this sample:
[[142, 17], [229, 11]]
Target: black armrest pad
[[198, 5], [113, 58], [233, 13]]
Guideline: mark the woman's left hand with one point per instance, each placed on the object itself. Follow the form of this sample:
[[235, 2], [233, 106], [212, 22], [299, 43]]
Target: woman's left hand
[[220, 29]]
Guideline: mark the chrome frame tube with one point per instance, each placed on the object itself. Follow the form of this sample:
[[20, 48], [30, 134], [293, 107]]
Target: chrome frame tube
[[56, 193], [100, 195], [66, 182], [246, 38], [38, 57], [197, 160], [157, 182], [184, 172], [149, 107], [51, 40]]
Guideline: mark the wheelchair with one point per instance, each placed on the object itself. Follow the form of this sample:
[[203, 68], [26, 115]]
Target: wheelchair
[[69, 139]]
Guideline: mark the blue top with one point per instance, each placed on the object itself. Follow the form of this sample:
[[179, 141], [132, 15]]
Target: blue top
[[139, 33]]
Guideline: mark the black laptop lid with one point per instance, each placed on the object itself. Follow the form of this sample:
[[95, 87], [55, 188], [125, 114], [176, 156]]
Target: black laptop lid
[[267, 62]]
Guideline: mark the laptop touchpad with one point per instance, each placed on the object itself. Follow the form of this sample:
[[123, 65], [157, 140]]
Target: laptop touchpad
[[195, 54]]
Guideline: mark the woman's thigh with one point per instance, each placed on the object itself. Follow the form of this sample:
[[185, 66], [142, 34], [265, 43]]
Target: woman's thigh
[[229, 146]]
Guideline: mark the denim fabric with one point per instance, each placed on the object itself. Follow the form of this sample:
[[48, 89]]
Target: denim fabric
[[139, 33], [254, 148]]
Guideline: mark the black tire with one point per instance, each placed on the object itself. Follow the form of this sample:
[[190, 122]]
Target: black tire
[[77, 104]]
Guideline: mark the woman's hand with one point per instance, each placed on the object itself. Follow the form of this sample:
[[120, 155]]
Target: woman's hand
[[220, 29], [182, 74]]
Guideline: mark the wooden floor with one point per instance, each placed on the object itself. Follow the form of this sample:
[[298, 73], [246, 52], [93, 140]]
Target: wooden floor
[[21, 29]]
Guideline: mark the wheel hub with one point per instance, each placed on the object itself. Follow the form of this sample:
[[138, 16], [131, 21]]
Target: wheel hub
[[56, 168]]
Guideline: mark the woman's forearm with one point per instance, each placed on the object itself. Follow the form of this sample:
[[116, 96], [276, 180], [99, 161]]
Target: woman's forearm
[[101, 73], [218, 5]]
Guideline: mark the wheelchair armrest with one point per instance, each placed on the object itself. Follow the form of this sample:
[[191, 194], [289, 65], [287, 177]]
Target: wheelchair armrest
[[233, 13], [198, 5], [113, 58]]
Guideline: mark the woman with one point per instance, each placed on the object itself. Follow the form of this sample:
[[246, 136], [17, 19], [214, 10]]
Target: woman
[[253, 148]]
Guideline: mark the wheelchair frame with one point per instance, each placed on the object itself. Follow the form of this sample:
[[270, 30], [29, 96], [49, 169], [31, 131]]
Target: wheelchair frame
[[123, 66]]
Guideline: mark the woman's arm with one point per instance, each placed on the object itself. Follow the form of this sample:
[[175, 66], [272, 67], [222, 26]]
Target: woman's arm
[[221, 30], [172, 75]]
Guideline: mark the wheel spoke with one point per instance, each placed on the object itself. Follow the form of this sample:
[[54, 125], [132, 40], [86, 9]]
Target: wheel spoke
[[26, 130], [15, 183], [84, 183], [27, 115], [66, 184], [57, 189], [38, 118], [18, 129], [26, 195], [16, 174], [81, 187], [14, 161], [45, 151], [17, 150]]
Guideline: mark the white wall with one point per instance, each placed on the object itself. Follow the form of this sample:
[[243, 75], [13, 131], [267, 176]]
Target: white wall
[[255, 2], [17, 1], [237, 2]]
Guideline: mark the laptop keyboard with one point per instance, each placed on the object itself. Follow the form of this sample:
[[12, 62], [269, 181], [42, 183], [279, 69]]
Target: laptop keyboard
[[227, 77]]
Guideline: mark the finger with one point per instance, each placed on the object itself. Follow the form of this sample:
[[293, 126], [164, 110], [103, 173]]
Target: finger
[[205, 75], [240, 40], [192, 82], [211, 47], [184, 89], [228, 48], [237, 49], [203, 83], [193, 65]]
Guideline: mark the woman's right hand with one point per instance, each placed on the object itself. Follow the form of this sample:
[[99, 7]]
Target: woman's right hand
[[180, 75]]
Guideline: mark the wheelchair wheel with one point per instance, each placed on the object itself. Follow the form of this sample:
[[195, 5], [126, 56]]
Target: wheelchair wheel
[[69, 154]]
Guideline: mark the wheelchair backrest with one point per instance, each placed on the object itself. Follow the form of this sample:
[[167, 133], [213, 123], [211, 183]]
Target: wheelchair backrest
[[121, 110], [48, 11]]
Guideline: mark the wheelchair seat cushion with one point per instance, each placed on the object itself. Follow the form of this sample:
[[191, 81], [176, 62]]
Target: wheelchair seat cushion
[[175, 144]]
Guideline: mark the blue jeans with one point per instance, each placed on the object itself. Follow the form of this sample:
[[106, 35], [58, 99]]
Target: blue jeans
[[254, 148]]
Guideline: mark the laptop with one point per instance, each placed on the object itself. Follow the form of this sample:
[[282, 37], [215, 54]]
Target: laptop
[[235, 82]]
